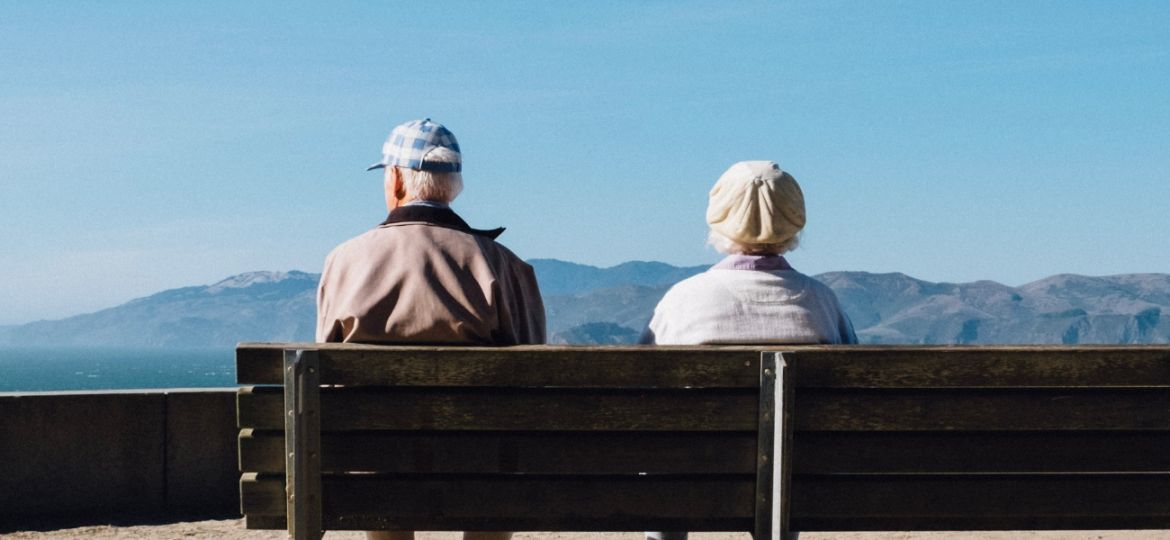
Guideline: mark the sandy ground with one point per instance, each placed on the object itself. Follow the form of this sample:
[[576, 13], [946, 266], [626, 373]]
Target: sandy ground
[[234, 530]]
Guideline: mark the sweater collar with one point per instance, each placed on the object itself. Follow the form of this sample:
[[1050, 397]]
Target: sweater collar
[[441, 217], [766, 263]]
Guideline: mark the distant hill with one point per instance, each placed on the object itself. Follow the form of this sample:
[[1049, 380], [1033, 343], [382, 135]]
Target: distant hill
[[600, 333], [1068, 309], [566, 278], [256, 306], [629, 306], [586, 304]]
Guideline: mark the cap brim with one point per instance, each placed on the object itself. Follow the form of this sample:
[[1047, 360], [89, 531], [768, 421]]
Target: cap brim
[[376, 166]]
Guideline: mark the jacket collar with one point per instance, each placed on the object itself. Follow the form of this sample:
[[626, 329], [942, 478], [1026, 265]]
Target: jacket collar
[[440, 217]]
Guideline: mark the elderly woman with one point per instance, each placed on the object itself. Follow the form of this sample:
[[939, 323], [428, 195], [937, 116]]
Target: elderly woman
[[755, 212]]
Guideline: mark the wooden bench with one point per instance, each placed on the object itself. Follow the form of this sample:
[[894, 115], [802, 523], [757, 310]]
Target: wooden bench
[[760, 439]]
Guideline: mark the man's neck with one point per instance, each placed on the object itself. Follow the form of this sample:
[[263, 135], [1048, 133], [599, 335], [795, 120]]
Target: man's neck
[[431, 204]]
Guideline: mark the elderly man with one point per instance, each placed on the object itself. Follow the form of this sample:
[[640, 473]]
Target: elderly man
[[424, 275]]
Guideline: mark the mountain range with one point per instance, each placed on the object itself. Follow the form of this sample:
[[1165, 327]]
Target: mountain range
[[587, 305]]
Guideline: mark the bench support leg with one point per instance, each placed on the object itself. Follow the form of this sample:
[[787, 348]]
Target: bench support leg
[[302, 444], [773, 464]]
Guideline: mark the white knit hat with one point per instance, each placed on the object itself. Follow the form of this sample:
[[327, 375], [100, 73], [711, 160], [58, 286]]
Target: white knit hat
[[755, 202]]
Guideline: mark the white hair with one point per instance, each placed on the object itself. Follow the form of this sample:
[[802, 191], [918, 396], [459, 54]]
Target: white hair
[[434, 186], [726, 245]]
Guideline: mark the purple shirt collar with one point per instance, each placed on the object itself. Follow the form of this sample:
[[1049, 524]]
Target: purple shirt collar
[[766, 263]]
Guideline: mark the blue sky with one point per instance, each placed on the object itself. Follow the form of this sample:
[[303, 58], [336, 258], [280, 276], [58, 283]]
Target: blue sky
[[151, 145]]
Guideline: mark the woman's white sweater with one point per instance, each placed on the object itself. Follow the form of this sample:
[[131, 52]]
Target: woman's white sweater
[[724, 305]]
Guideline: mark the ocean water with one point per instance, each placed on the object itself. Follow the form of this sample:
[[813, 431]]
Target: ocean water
[[29, 369]]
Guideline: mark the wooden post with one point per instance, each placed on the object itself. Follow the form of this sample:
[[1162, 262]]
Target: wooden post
[[765, 447], [302, 444], [773, 461]]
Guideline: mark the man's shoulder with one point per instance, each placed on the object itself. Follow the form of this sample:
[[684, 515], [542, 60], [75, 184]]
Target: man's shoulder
[[411, 237], [501, 250], [358, 243]]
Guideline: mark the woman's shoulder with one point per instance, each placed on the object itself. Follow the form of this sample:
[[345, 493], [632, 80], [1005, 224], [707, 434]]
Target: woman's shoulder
[[810, 282], [701, 284]]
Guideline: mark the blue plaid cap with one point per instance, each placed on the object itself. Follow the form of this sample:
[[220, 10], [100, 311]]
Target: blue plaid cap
[[409, 143]]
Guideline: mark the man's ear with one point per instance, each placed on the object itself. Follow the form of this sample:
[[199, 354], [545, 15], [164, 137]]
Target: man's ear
[[399, 185], [394, 188]]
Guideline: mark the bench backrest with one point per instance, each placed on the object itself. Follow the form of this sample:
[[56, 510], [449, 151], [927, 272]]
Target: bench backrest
[[936, 438], [557, 438], [522, 438]]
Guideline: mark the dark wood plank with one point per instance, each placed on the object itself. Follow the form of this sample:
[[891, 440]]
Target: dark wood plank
[[1070, 522], [265, 522], [524, 502], [601, 453], [982, 409], [260, 363], [242, 415], [257, 492], [345, 409], [974, 367], [822, 366], [975, 502], [974, 452], [526, 366]]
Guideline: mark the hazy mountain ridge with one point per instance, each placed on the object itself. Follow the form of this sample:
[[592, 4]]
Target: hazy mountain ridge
[[257, 306], [565, 278], [598, 333], [586, 304], [628, 306], [1069, 309]]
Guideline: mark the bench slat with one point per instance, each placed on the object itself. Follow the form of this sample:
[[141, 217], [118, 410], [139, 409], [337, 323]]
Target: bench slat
[[1073, 451], [521, 502], [630, 367], [974, 502], [504, 452], [347, 409], [985, 410], [820, 503], [1070, 522], [821, 367], [974, 367], [253, 521]]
